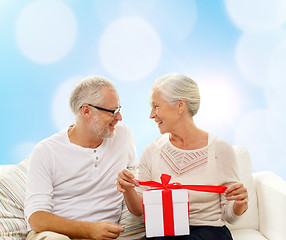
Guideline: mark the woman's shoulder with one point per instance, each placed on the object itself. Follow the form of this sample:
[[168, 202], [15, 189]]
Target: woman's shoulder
[[158, 143], [221, 148], [217, 142]]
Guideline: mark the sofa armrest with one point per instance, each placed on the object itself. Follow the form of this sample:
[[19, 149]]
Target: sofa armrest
[[271, 195], [4, 168]]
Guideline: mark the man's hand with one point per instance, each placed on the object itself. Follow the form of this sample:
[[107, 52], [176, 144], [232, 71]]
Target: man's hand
[[105, 230], [44, 221]]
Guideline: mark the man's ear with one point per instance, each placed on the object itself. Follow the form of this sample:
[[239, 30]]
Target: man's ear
[[85, 111]]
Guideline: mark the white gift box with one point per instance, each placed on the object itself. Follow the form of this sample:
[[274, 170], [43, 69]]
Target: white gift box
[[154, 214]]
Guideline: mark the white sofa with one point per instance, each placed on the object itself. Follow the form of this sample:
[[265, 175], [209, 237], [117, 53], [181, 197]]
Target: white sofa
[[265, 218]]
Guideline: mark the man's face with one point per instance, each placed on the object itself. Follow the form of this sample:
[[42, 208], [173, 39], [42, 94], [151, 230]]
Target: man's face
[[102, 122]]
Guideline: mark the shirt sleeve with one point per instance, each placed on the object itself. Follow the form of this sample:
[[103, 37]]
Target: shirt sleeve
[[229, 170], [39, 188], [132, 161], [145, 167]]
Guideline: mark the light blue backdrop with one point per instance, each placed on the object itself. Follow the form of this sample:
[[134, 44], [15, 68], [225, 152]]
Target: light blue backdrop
[[235, 50]]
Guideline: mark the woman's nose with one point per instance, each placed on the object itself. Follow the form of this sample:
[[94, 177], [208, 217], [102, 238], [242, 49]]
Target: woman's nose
[[153, 113]]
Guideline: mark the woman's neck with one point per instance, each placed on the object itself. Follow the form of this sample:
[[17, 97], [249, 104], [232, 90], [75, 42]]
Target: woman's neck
[[189, 137]]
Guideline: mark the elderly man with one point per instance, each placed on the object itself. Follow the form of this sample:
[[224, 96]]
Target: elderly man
[[71, 183]]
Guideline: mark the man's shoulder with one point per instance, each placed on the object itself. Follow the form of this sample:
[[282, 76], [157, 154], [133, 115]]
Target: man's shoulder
[[122, 125], [122, 129], [53, 139]]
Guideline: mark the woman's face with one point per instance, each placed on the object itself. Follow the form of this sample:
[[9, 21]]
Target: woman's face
[[164, 113]]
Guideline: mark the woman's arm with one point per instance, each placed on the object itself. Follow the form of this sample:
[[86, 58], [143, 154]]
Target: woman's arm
[[126, 184], [238, 193]]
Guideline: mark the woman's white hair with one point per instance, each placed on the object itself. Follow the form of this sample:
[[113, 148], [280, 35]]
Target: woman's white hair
[[88, 91], [174, 87]]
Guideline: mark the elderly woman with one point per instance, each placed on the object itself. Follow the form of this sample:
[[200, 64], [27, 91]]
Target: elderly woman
[[191, 156]]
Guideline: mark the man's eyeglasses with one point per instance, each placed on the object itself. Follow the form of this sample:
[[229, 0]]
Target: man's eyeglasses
[[114, 112]]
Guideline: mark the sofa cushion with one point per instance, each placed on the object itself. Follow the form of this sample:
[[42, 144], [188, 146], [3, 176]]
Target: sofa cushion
[[247, 234], [12, 197], [271, 192], [250, 218], [134, 226]]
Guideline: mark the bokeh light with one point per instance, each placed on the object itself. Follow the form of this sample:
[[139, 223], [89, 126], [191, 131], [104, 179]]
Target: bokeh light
[[253, 53], [234, 49], [46, 31], [219, 102], [61, 112], [130, 49], [257, 15]]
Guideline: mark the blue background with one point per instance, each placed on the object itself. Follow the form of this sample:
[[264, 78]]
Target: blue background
[[235, 50]]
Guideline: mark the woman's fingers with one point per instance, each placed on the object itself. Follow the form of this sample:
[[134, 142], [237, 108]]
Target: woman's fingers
[[126, 180], [236, 192]]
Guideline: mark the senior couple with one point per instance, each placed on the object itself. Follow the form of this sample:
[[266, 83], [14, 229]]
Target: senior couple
[[77, 176]]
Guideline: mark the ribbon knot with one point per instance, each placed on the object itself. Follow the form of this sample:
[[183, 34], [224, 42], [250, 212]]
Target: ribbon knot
[[176, 185], [165, 179]]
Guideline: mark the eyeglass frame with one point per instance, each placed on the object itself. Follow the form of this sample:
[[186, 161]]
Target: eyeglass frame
[[114, 112]]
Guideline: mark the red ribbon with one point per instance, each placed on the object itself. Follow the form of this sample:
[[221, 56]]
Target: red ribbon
[[165, 179], [167, 201]]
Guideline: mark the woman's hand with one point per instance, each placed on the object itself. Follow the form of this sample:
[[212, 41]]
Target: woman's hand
[[126, 183], [126, 180], [238, 193]]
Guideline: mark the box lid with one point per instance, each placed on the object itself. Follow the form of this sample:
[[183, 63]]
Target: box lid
[[155, 196]]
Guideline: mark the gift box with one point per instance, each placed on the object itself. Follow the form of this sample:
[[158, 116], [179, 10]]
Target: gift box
[[166, 206], [166, 212]]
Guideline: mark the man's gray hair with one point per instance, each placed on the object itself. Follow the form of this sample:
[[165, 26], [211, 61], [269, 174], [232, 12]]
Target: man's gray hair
[[88, 91], [174, 87]]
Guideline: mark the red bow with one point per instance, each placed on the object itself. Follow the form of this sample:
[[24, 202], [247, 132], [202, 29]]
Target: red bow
[[165, 179]]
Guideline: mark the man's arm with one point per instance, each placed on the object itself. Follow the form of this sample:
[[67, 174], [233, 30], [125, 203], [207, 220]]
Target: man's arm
[[44, 221]]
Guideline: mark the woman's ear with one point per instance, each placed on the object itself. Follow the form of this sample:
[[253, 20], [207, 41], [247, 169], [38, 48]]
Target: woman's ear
[[181, 104]]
